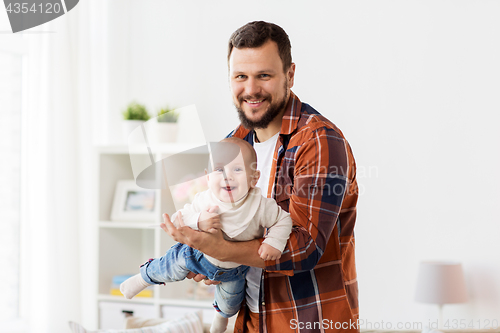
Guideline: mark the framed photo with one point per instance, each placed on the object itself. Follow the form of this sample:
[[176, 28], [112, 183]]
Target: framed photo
[[133, 203]]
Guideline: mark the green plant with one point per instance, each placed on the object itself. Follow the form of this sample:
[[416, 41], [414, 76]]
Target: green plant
[[136, 111], [167, 115]]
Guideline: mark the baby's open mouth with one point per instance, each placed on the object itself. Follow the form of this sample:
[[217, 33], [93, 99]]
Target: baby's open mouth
[[229, 188]]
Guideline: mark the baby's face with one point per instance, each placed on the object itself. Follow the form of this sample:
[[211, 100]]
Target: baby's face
[[230, 182]]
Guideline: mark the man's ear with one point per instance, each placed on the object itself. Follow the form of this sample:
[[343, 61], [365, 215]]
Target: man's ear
[[291, 75]]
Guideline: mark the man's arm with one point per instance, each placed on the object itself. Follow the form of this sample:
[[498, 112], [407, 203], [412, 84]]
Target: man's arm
[[323, 172], [214, 244]]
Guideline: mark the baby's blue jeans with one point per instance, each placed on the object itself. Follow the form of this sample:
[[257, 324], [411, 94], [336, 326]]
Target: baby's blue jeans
[[181, 259]]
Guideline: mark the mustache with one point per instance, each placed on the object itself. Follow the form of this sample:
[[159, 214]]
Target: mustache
[[247, 97]]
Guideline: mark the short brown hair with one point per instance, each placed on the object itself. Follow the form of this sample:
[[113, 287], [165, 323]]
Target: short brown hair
[[256, 34]]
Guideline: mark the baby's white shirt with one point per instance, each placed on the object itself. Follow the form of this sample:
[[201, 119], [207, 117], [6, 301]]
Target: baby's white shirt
[[246, 220]]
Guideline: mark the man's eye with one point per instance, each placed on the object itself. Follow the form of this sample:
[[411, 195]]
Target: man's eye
[[241, 77], [265, 76]]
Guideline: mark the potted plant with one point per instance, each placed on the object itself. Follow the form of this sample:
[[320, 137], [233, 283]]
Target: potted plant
[[134, 115], [166, 129]]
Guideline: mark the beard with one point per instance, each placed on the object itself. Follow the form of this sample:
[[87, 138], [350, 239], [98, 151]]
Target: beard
[[274, 109]]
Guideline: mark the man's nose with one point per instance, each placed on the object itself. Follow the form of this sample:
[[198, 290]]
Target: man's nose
[[252, 87]]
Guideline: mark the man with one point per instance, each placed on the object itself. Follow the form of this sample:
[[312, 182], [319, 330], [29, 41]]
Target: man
[[311, 173]]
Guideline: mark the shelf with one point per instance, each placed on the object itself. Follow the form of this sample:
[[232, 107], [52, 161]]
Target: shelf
[[128, 225], [187, 303], [124, 245], [151, 300], [112, 298]]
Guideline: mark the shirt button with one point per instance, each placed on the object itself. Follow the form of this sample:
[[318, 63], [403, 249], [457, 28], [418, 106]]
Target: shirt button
[[263, 303]]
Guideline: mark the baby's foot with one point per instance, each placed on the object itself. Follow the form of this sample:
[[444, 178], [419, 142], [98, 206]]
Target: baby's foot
[[219, 324], [133, 285]]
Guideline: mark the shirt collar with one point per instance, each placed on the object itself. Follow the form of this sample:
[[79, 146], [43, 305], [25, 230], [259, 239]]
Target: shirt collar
[[292, 115]]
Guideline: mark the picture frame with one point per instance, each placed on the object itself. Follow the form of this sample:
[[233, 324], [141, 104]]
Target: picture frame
[[133, 203]]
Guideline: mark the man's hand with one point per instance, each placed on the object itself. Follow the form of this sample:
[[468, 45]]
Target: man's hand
[[267, 252], [209, 220], [208, 243], [178, 236], [214, 244], [201, 277]]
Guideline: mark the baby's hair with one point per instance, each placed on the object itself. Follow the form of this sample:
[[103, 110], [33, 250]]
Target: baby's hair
[[247, 147]]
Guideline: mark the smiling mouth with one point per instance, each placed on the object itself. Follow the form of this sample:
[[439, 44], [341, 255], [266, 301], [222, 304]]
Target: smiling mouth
[[255, 102]]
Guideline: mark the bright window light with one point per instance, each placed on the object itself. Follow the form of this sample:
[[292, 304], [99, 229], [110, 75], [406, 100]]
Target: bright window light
[[10, 183]]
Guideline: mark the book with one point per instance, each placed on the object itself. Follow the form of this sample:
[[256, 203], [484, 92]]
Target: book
[[144, 293]]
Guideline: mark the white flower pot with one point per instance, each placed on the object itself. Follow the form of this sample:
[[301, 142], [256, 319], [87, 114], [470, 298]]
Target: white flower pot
[[166, 132], [131, 131]]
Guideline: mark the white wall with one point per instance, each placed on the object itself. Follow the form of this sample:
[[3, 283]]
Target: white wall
[[414, 85]]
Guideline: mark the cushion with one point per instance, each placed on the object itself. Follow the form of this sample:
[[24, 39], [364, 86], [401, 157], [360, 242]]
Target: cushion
[[190, 323], [138, 322]]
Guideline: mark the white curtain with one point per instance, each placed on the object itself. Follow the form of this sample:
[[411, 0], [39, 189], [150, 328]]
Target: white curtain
[[66, 107]]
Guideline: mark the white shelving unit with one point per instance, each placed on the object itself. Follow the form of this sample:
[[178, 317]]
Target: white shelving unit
[[124, 246]]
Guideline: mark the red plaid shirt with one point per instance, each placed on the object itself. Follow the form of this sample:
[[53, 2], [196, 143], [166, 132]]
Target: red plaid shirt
[[313, 286]]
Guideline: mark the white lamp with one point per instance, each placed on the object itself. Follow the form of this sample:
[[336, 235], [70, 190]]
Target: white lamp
[[440, 283]]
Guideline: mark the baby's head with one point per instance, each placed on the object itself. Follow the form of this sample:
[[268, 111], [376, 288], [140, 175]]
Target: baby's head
[[229, 182]]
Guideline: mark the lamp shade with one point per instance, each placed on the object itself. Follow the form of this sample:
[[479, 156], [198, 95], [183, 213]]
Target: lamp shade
[[440, 283]]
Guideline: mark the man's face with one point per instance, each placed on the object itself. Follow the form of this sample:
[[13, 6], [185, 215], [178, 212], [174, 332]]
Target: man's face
[[259, 86]]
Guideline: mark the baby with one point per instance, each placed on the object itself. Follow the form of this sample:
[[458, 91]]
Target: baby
[[242, 213]]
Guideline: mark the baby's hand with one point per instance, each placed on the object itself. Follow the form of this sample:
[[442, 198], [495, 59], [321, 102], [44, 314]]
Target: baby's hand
[[209, 221], [267, 252]]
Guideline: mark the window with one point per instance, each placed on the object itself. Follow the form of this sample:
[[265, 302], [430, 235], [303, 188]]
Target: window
[[10, 183]]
